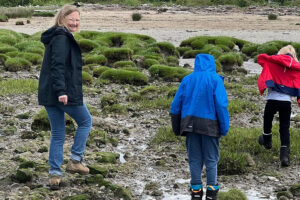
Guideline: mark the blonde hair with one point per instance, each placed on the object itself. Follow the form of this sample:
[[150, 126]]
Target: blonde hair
[[288, 49], [64, 11]]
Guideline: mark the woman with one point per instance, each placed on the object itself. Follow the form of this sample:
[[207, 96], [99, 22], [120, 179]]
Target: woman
[[281, 75], [60, 91]]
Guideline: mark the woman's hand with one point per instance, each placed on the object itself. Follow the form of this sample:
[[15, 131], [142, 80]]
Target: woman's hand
[[63, 99]]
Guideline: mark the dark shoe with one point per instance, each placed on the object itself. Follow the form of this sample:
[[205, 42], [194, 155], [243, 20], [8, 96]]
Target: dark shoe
[[54, 182], [265, 140], [196, 194], [212, 192], [74, 166], [285, 156]]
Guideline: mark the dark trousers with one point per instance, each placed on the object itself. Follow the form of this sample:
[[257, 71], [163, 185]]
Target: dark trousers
[[284, 109]]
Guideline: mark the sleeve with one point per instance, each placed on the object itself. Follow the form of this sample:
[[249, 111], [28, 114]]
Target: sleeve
[[176, 107], [221, 103], [59, 52]]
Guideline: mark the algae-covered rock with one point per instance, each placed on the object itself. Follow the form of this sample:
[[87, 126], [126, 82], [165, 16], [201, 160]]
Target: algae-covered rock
[[96, 169], [95, 179], [286, 194], [23, 175], [78, 197], [27, 164], [120, 192], [29, 135], [232, 194], [295, 189], [107, 157]]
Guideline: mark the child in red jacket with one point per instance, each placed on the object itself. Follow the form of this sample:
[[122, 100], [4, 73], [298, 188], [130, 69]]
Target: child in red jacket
[[278, 75]]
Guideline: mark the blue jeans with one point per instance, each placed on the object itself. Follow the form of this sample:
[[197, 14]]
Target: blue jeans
[[202, 150], [56, 115]]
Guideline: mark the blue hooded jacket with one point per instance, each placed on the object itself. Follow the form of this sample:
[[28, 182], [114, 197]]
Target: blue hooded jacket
[[200, 103]]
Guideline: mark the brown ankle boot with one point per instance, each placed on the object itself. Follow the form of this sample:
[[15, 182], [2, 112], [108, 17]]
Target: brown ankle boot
[[54, 182], [77, 167]]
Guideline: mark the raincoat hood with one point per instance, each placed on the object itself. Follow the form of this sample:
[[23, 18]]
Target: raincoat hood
[[204, 62], [47, 36]]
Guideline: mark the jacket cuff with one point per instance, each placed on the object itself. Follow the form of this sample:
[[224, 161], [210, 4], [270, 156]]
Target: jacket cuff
[[176, 121]]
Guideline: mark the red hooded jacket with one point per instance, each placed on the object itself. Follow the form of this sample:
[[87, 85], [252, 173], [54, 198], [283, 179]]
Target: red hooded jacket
[[281, 73]]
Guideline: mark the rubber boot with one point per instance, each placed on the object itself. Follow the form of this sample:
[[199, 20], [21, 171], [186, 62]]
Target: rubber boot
[[196, 194], [265, 140], [285, 156], [212, 192]]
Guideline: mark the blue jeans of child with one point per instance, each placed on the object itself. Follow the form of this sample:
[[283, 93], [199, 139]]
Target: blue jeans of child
[[56, 115], [202, 150]]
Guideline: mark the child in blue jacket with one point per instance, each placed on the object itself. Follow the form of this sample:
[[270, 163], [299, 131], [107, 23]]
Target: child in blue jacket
[[199, 112]]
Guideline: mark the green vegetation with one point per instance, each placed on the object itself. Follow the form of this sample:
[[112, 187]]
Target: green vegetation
[[125, 76], [240, 3], [21, 86], [17, 64], [237, 106], [272, 16], [166, 135], [3, 18], [15, 12], [168, 73], [232, 194], [136, 16], [44, 14]]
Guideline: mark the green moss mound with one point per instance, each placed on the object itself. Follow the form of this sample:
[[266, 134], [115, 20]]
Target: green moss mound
[[78, 197], [6, 48], [122, 64], [107, 157], [232, 163], [34, 58], [87, 45], [149, 62], [232, 194], [87, 79], [95, 59], [118, 54], [124, 76], [23, 175], [166, 48], [168, 73], [229, 60], [97, 71], [17, 64]]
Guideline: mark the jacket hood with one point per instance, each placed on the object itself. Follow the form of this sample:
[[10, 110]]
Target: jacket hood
[[53, 31], [204, 62]]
